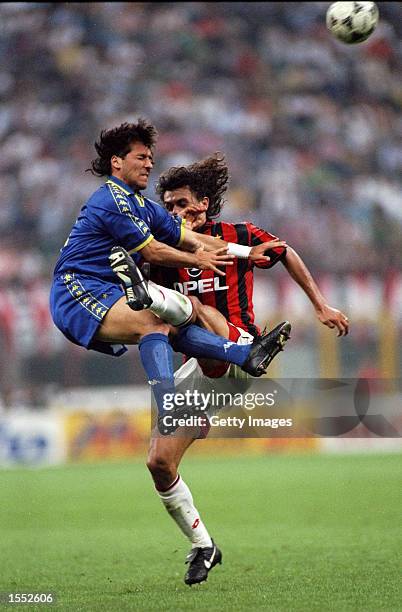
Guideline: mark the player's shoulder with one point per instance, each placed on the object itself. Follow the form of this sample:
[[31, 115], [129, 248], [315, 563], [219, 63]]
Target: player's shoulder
[[231, 232], [240, 225], [242, 228], [99, 196], [250, 225], [108, 195], [153, 204], [256, 230], [224, 225], [156, 210]]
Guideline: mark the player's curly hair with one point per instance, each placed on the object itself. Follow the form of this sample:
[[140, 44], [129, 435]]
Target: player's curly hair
[[208, 177], [118, 141]]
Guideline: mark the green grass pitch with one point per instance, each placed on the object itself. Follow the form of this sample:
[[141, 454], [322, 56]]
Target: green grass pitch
[[298, 532]]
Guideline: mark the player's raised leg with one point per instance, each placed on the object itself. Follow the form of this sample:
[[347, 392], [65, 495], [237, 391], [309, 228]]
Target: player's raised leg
[[193, 340]]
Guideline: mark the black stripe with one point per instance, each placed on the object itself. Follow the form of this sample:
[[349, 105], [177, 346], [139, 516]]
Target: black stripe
[[165, 276], [274, 255], [221, 297], [242, 238]]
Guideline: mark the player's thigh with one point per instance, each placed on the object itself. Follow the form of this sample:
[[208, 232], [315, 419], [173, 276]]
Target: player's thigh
[[121, 324], [210, 318], [168, 450]]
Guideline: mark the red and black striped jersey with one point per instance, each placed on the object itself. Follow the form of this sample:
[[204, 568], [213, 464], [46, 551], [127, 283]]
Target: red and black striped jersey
[[232, 294]]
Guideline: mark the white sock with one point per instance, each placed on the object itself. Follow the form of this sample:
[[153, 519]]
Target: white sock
[[178, 501], [171, 306]]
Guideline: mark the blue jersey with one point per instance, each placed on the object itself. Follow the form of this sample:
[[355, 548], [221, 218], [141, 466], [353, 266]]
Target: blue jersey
[[115, 215], [84, 287]]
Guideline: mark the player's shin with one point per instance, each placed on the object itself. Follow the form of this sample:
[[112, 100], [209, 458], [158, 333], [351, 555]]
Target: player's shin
[[179, 503], [195, 341], [157, 359], [169, 305]]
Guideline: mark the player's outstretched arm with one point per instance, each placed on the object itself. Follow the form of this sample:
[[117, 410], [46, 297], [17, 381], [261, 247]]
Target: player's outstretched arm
[[192, 240], [162, 254], [331, 317], [212, 243]]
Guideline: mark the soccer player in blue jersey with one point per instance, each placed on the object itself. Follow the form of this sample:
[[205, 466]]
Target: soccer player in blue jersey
[[87, 302], [90, 308]]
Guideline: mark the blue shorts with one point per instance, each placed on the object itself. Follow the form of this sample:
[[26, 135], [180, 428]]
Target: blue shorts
[[78, 304]]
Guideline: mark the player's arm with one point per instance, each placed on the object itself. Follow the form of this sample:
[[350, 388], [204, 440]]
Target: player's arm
[[212, 243], [191, 241], [134, 234], [161, 254], [331, 317]]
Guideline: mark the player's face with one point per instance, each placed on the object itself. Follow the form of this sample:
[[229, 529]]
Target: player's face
[[134, 169], [183, 202]]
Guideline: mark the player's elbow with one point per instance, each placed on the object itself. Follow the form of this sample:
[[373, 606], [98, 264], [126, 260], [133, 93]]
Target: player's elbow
[[288, 255]]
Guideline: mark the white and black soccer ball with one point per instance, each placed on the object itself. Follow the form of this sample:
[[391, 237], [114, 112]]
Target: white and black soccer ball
[[352, 22]]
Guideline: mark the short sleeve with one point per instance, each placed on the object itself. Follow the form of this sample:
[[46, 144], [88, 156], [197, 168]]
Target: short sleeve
[[258, 236], [167, 228]]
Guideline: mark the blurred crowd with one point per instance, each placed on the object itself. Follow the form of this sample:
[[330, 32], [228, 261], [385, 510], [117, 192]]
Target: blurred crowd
[[311, 128]]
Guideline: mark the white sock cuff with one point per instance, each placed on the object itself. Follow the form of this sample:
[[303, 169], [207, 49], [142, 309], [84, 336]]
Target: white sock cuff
[[171, 488]]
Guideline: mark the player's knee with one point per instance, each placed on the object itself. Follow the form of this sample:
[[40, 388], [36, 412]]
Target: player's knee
[[200, 311], [156, 327], [197, 306], [161, 467]]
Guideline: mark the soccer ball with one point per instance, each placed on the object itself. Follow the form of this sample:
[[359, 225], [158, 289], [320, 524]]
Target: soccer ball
[[352, 22]]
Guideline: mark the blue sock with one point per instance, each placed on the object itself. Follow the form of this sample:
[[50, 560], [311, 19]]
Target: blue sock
[[196, 341], [157, 359]]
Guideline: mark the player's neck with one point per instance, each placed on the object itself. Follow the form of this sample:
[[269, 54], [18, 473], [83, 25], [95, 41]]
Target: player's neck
[[132, 187]]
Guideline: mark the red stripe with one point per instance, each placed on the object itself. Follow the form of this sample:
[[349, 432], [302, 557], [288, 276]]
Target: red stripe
[[208, 298], [240, 281], [231, 299]]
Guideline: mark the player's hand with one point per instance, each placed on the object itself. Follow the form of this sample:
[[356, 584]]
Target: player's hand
[[190, 221], [191, 214], [331, 317], [210, 260], [257, 252]]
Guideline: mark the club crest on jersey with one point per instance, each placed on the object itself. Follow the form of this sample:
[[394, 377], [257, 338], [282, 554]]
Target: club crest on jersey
[[203, 285], [193, 272]]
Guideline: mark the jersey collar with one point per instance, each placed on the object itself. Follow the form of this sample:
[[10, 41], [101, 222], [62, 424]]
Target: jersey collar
[[113, 180]]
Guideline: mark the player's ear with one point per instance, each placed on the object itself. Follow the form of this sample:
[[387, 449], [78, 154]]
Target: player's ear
[[115, 162], [205, 203]]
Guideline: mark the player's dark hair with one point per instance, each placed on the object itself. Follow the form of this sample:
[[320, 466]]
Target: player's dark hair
[[208, 177], [118, 141]]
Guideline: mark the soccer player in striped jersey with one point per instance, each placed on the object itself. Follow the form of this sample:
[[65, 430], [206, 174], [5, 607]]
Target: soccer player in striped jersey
[[196, 193], [224, 305]]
